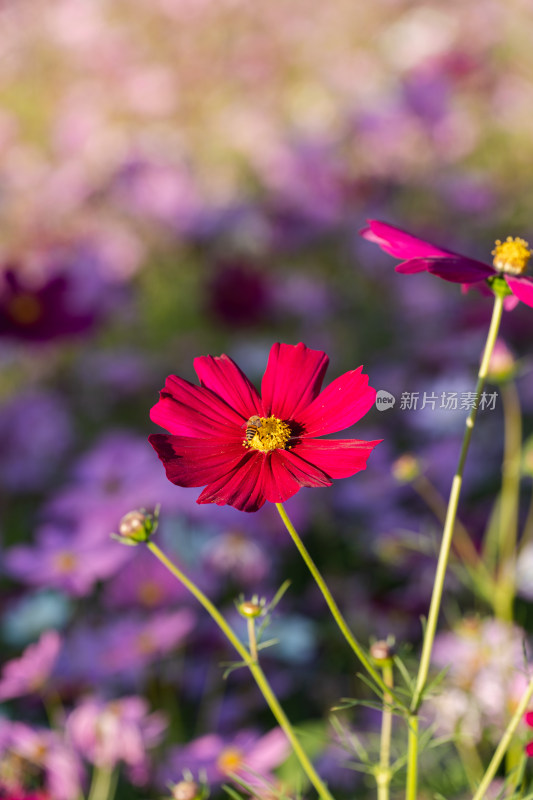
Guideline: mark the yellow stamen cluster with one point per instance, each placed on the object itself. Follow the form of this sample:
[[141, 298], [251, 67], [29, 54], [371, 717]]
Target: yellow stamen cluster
[[230, 760], [24, 309], [271, 434], [511, 256]]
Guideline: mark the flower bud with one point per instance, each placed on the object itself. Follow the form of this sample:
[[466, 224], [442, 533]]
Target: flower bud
[[137, 526], [502, 363], [406, 468], [249, 609], [186, 790], [381, 651]]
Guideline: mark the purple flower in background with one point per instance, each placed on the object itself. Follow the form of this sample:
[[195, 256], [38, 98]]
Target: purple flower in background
[[31, 671], [47, 308], [144, 582], [237, 556], [28, 462], [239, 294], [42, 752], [106, 733], [118, 474], [124, 648], [65, 560], [248, 754]]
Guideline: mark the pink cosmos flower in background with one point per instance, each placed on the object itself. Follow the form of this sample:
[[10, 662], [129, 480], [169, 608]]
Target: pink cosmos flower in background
[[528, 719], [119, 730], [246, 448], [31, 671], [510, 260]]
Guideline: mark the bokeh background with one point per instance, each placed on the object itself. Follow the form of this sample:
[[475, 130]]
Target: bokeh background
[[182, 177]]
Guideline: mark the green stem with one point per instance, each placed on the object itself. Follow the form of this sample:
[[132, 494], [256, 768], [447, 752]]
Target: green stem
[[447, 534], [509, 498], [252, 639], [451, 513], [412, 758], [333, 607], [254, 668], [103, 784], [383, 776], [504, 743]]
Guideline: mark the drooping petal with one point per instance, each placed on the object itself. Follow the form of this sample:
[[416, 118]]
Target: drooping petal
[[521, 287], [457, 269], [197, 462], [284, 473], [528, 718], [240, 487], [222, 375], [399, 243], [292, 380], [188, 410], [339, 405], [337, 458], [529, 748]]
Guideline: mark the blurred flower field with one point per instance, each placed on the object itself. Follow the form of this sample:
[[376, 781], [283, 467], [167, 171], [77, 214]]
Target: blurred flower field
[[189, 177]]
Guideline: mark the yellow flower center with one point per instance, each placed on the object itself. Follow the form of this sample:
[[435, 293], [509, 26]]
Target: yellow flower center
[[266, 434], [511, 256], [229, 760], [65, 562], [24, 309]]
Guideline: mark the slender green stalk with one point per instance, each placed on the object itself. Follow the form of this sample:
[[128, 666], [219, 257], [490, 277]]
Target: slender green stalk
[[451, 513], [254, 668], [252, 639], [505, 741], [509, 501], [333, 607], [412, 758], [383, 776], [103, 784], [447, 534]]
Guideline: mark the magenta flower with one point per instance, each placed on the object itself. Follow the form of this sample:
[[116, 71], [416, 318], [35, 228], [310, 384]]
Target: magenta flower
[[510, 259], [247, 448], [31, 671]]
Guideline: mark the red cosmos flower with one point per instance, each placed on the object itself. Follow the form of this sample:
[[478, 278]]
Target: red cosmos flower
[[510, 259], [246, 448], [528, 719]]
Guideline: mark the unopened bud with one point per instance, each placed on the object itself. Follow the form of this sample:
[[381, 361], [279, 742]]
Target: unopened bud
[[137, 526], [502, 363], [406, 468], [249, 609], [381, 652], [186, 790]]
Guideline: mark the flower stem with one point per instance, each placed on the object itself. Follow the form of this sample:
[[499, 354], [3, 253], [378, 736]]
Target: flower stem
[[412, 758], [451, 512], [383, 776], [254, 668], [505, 741], [103, 784], [333, 607], [442, 564]]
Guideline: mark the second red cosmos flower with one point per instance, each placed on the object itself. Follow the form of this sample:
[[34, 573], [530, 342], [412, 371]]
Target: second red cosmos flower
[[247, 448]]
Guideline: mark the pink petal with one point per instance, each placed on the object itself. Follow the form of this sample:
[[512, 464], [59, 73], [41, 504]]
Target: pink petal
[[292, 380], [456, 269], [339, 405], [269, 752], [241, 487], [337, 458], [284, 474], [399, 243], [522, 288], [223, 376], [197, 462], [529, 749], [528, 718], [188, 410]]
